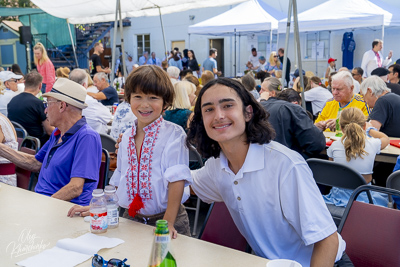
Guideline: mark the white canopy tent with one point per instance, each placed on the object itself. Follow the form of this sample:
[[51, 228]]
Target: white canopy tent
[[346, 14], [250, 17], [89, 11]]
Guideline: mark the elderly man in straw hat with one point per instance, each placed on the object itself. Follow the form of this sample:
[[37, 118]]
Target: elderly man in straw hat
[[69, 162]]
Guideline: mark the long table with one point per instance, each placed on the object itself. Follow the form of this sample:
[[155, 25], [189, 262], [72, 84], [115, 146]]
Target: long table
[[37, 222], [388, 154]]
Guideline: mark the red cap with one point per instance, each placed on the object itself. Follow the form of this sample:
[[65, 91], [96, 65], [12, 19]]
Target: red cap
[[331, 60]]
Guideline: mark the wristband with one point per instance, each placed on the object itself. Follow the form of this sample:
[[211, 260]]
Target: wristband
[[369, 129]]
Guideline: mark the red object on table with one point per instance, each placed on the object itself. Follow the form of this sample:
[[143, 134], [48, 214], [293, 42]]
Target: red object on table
[[329, 142], [395, 143]]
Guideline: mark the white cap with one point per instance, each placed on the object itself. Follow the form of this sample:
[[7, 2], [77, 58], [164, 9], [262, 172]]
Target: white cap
[[98, 193], [110, 189], [7, 75]]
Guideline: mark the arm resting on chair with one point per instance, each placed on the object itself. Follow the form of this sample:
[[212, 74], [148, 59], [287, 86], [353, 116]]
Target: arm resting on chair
[[71, 190], [325, 251], [20, 159]]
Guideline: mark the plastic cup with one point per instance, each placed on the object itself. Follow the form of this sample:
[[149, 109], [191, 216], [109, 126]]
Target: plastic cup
[[283, 263]]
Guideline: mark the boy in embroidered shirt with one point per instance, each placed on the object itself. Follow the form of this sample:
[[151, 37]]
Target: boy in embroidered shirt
[[152, 165], [268, 189]]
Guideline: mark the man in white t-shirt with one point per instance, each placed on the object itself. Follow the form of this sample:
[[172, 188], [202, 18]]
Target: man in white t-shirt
[[10, 82], [96, 114], [253, 62]]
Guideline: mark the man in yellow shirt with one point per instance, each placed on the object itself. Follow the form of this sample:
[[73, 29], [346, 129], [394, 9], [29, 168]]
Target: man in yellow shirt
[[343, 97]]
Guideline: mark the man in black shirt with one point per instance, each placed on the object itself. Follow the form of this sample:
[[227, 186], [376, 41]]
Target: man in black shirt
[[27, 110], [281, 53], [385, 106], [294, 128], [96, 60], [107, 95]]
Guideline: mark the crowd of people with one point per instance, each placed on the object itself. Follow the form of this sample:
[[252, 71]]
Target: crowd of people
[[255, 140]]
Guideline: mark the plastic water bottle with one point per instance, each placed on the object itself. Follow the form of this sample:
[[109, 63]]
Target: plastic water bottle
[[98, 212], [338, 130], [161, 255], [112, 206]]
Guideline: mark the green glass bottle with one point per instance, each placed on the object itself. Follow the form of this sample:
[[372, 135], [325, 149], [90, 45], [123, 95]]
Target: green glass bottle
[[161, 255], [338, 131]]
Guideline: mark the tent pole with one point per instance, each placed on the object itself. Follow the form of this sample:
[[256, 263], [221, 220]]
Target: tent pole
[[114, 47], [189, 40], [289, 18], [162, 28], [316, 53], [235, 56], [297, 37], [121, 31], [72, 43], [239, 54], [277, 39], [383, 30], [270, 40]]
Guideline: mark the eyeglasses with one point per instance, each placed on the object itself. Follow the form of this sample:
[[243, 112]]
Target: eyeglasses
[[46, 103], [98, 261], [354, 74], [12, 81], [275, 56]]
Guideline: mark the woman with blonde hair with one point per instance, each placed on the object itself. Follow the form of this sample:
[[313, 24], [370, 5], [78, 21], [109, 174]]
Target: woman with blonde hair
[[206, 77], [273, 64], [357, 149], [195, 81], [317, 95], [179, 112], [44, 66]]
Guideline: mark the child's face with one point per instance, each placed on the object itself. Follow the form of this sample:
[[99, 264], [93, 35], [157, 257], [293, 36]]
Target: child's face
[[222, 112], [333, 64], [147, 108]]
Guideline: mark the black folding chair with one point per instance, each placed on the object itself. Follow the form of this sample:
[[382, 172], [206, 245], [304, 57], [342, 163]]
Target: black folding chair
[[393, 181], [335, 174]]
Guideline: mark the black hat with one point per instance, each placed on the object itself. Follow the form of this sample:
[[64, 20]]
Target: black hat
[[380, 72]]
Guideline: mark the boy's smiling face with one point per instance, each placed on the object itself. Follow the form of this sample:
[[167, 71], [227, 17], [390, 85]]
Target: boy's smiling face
[[146, 107], [223, 116]]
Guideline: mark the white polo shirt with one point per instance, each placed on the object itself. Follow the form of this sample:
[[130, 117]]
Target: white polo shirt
[[273, 200]]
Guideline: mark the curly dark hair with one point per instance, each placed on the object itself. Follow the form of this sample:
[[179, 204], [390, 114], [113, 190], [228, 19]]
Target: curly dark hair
[[150, 79], [258, 129]]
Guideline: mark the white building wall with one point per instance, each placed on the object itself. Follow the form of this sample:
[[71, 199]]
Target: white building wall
[[176, 29]]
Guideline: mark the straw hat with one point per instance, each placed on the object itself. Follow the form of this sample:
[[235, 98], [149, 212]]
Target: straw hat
[[63, 72], [69, 92]]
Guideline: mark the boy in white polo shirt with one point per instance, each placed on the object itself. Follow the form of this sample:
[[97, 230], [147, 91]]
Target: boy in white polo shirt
[[268, 188]]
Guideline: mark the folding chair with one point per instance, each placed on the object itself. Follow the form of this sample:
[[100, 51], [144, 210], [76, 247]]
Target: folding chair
[[335, 174], [219, 228], [24, 179], [32, 143], [371, 232], [21, 133], [104, 166], [194, 157], [108, 142], [393, 181]]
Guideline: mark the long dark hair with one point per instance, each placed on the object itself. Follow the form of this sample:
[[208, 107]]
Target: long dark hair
[[191, 51], [258, 129]]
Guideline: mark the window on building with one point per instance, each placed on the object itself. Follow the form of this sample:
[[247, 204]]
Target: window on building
[[264, 44], [143, 44], [317, 42]]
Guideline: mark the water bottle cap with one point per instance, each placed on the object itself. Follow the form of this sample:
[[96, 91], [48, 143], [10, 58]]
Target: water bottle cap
[[98, 193], [110, 189]]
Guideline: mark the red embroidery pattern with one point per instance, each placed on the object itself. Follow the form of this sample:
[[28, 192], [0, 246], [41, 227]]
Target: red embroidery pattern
[[139, 171]]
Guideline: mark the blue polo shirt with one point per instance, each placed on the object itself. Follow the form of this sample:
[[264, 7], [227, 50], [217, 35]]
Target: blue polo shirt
[[77, 155], [210, 64]]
